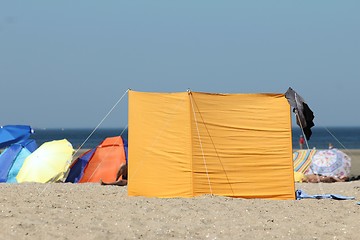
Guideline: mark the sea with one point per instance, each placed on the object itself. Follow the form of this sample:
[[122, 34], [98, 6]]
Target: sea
[[339, 137]]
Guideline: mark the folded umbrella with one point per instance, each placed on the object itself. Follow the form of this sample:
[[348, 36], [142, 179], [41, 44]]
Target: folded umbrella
[[48, 163]]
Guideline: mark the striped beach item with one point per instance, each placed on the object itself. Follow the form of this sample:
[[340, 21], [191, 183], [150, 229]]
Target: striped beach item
[[302, 160]]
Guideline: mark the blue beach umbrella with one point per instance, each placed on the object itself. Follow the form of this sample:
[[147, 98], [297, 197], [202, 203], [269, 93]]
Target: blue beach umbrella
[[10, 134], [28, 146], [7, 158], [12, 158]]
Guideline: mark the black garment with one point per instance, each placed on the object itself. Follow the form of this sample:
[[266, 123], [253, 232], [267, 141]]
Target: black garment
[[304, 114], [309, 117]]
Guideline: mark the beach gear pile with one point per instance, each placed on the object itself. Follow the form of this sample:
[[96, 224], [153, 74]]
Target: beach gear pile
[[325, 162], [100, 163], [184, 144], [23, 161]]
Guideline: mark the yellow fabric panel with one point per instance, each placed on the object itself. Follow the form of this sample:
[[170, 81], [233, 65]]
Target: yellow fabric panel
[[242, 145], [183, 145], [159, 145]]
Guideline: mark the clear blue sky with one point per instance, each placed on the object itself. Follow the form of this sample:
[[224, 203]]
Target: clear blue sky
[[66, 63]]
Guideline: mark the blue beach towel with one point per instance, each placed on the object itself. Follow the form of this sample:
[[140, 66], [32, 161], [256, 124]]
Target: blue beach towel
[[302, 195]]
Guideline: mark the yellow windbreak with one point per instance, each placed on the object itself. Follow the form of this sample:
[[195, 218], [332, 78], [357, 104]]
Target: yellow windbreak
[[189, 144], [242, 145], [159, 145]]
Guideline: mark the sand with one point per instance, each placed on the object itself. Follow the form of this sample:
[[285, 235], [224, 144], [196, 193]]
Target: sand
[[92, 211], [354, 154]]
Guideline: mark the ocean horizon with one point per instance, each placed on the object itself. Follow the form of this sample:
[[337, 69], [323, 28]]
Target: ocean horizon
[[340, 137]]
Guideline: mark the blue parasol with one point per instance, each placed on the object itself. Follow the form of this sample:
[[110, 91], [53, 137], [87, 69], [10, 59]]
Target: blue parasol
[[10, 134]]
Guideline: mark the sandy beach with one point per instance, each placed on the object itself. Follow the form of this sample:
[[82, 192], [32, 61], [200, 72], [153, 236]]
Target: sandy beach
[[92, 211], [354, 154]]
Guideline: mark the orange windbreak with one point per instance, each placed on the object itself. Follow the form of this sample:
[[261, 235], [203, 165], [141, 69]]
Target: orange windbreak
[[189, 144], [106, 161]]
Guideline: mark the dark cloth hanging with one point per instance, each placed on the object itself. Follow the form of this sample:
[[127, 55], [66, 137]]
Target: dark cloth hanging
[[304, 114], [309, 117]]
